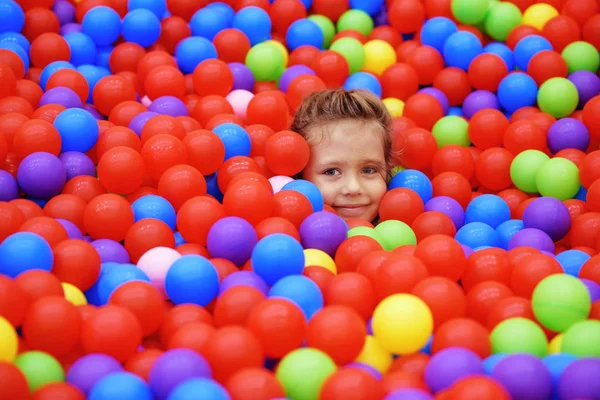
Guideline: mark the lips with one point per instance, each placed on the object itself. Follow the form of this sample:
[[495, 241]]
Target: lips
[[351, 210]]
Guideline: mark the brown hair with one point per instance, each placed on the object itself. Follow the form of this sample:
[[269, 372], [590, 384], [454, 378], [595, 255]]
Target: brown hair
[[329, 106]]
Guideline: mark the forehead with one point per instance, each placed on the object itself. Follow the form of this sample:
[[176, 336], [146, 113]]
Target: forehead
[[348, 140]]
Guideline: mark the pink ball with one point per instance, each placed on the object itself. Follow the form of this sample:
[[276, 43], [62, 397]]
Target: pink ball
[[156, 263], [239, 100], [279, 181], [146, 101]]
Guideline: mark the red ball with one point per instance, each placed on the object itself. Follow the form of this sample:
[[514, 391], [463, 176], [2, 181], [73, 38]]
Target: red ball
[[284, 12], [442, 256], [76, 262], [144, 301], [433, 223], [401, 204], [454, 82], [427, 61], [351, 252], [406, 16], [213, 77], [13, 382], [545, 65], [49, 47], [351, 384], [453, 158], [110, 91], [270, 108], [530, 271], [416, 148], [486, 71], [58, 390], [300, 88], [591, 31], [399, 274], [286, 153], [424, 110], [181, 315], [332, 9], [483, 296], [142, 362], [399, 80], [477, 387], [487, 128], [352, 290], [492, 168], [254, 384], [561, 31], [330, 66], [292, 205], [465, 333], [509, 307]]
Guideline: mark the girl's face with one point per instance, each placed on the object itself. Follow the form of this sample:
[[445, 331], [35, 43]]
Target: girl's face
[[347, 163]]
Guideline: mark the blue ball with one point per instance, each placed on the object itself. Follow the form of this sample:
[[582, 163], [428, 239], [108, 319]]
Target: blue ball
[[93, 294], [207, 22], [528, 47], [192, 279], [277, 256], [192, 51], [477, 234], [235, 139], [489, 209], [427, 348], [300, 290], [507, 230], [18, 50], [308, 189], [571, 261], [460, 49], [12, 17], [212, 187], [83, 48], [225, 9], [414, 180], [254, 22], [364, 81], [102, 24], [490, 363], [157, 207], [308, 3], [122, 386], [371, 7], [52, 68], [179, 240], [157, 7], [556, 364], [16, 38], [304, 32], [141, 26], [436, 31], [92, 75], [517, 90], [581, 194], [78, 130], [115, 277], [103, 56], [456, 111], [503, 51], [24, 251], [199, 389]]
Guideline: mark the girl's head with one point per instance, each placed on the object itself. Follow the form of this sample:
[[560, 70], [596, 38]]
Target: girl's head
[[350, 149]]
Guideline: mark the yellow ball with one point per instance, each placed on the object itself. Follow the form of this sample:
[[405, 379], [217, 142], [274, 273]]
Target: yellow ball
[[556, 344], [394, 106], [286, 56], [538, 14], [9, 343], [374, 355], [397, 169], [73, 294], [402, 324], [379, 55], [318, 258]]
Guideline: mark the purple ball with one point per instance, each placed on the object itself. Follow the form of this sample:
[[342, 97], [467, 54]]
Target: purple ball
[[243, 278], [72, 230], [292, 73], [587, 84], [525, 377], [233, 239], [41, 175], [70, 27], [532, 237], [365, 367], [447, 206], [467, 250], [242, 76], [176, 366], [593, 288], [408, 394], [89, 369], [449, 365], [65, 12], [63, 96], [77, 164], [137, 123], [9, 190], [111, 251], [324, 231], [169, 105], [381, 18], [92, 110], [568, 133], [439, 96], [580, 380], [549, 215], [479, 100]]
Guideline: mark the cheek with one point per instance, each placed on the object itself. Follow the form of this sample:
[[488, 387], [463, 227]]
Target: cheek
[[377, 190], [328, 190]]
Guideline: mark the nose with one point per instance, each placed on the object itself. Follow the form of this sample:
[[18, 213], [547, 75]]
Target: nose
[[351, 185]]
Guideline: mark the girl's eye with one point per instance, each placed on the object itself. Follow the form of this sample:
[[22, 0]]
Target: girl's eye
[[369, 170], [331, 172]]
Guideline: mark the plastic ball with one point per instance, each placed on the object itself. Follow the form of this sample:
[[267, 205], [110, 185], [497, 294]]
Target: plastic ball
[[122, 384], [581, 56], [207, 389], [577, 340], [541, 210], [379, 55], [559, 178], [300, 290], [192, 51], [569, 382], [451, 130], [558, 97], [571, 128], [14, 261], [538, 15], [303, 372], [90, 369], [517, 90], [41, 175], [355, 20], [304, 32], [254, 22], [436, 31], [449, 365], [519, 335], [501, 19], [352, 50], [102, 24], [524, 376], [460, 49], [232, 238], [191, 279], [469, 12], [10, 344], [524, 168]]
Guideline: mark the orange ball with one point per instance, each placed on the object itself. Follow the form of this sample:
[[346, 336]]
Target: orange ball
[[400, 81], [453, 158], [141, 363], [509, 307], [146, 234], [181, 183], [121, 170], [124, 112], [416, 148], [110, 91], [14, 104], [39, 21], [299, 89], [209, 106], [454, 83], [286, 153], [453, 185], [48, 113], [487, 128], [206, 152], [426, 61], [399, 274], [118, 136], [13, 382], [13, 300], [235, 304], [9, 124], [161, 152], [12, 219], [291, 205], [191, 335], [233, 167], [477, 387], [11, 69], [232, 45], [76, 262], [545, 65], [85, 186], [49, 47], [108, 216], [407, 16], [465, 333], [196, 216], [273, 225]]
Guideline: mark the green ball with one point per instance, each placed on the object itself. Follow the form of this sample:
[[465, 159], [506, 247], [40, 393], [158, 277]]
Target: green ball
[[355, 20], [326, 25], [39, 369], [558, 97], [470, 12], [524, 167], [559, 178], [451, 130], [395, 234], [559, 301], [581, 56], [266, 62], [303, 371], [501, 19], [582, 339], [366, 231], [352, 50], [519, 335]]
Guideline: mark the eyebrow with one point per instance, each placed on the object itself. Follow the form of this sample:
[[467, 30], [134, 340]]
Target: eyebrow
[[339, 163]]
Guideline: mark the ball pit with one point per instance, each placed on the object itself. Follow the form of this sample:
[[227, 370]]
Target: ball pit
[[156, 242]]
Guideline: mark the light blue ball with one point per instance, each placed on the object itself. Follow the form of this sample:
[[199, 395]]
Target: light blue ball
[[300, 290], [304, 32], [207, 22], [414, 180], [24, 251], [528, 47], [507, 230], [78, 130], [157, 207], [254, 22], [192, 51], [436, 31], [308, 189], [115, 277], [489, 209], [364, 81], [192, 279], [141, 26], [102, 24], [122, 386], [477, 234], [571, 261], [199, 389], [460, 49], [277, 256], [517, 90], [83, 48], [235, 139]]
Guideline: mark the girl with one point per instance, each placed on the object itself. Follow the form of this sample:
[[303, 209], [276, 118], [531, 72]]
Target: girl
[[349, 134]]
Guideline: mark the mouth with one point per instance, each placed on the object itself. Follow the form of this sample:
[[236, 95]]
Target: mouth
[[350, 210]]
